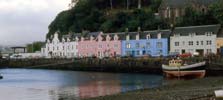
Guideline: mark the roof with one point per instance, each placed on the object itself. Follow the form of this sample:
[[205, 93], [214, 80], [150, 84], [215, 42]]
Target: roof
[[184, 3], [197, 29]]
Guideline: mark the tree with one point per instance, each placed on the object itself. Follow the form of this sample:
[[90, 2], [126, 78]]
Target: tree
[[35, 46], [217, 10]]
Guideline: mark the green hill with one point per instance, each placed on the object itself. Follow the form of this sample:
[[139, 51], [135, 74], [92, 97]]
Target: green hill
[[117, 15], [99, 15]]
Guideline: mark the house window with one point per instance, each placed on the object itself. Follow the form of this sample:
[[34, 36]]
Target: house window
[[137, 45], [177, 50], [148, 52], [148, 36], [160, 52], [208, 33], [100, 46], [208, 51], [128, 45], [202, 42], [116, 45], [183, 43], [177, 43], [148, 45], [209, 42], [197, 42], [159, 45], [137, 52], [190, 42]]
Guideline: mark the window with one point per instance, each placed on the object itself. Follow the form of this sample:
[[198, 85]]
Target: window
[[202, 42], [137, 37], [208, 33], [128, 53], [137, 45], [159, 45], [116, 45], [190, 43], [177, 50], [100, 46], [148, 36], [177, 43], [149, 52], [197, 42], [128, 45], [148, 45], [209, 42], [160, 52], [137, 52], [208, 51]]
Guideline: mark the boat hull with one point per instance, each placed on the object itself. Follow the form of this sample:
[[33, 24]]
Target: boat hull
[[196, 70], [185, 74]]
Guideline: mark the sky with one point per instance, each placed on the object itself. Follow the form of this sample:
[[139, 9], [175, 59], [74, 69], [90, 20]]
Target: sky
[[26, 21]]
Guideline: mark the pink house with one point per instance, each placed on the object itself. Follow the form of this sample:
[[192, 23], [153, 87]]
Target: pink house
[[109, 45], [99, 45]]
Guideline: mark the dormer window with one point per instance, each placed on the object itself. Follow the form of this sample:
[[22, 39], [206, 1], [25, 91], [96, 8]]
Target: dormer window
[[108, 38], [82, 38], [116, 37], [77, 39], [91, 38], [192, 34], [99, 38], [127, 37], [148, 36], [159, 36], [137, 37], [208, 33]]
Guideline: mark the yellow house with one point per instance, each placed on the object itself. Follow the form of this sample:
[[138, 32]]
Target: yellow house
[[219, 44]]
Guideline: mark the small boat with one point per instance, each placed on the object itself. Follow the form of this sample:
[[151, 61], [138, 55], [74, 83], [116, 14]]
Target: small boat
[[1, 77], [176, 68]]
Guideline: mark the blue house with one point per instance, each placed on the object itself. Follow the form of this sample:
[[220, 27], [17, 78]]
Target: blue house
[[152, 43]]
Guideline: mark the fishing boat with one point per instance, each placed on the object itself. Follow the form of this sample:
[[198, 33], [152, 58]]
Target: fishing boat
[[178, 68]]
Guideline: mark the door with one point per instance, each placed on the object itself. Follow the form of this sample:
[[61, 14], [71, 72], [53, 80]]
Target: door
[[183, 51]]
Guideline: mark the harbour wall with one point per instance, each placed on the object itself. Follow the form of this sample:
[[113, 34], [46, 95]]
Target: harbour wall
[[116, 65]]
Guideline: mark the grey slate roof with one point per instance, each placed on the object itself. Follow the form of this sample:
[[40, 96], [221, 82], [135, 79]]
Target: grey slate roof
[[197, 29]]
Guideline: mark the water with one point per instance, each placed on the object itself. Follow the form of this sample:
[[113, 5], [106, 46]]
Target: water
[[29, 84]]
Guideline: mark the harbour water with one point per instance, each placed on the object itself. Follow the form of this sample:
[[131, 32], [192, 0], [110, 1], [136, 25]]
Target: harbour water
[[32, 84]]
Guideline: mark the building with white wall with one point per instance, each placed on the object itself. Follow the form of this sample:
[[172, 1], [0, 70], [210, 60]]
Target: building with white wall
[[67, 48], [200, 39]]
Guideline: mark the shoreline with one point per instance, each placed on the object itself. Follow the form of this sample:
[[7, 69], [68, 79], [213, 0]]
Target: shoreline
[[196, 89]]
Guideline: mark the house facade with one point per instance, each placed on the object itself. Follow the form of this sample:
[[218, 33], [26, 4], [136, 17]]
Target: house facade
[[99, 45], [153, 43], [194, 39], [62, 49]]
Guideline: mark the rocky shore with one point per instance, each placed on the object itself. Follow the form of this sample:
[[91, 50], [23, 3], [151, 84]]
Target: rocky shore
[[197, 89]]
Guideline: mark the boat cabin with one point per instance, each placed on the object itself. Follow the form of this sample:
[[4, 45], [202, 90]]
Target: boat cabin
[[175, 63]]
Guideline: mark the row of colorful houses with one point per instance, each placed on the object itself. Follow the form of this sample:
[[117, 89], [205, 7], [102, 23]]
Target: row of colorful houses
[[200, 39]]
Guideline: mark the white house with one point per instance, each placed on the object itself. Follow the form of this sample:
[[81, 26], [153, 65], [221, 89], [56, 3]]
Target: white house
[[62, 49], [194, 39]]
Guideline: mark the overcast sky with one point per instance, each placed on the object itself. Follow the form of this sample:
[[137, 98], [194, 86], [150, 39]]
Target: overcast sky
[[25, 21]]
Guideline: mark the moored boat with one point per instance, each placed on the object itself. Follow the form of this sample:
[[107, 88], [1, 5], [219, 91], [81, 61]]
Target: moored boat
[[176, 68]]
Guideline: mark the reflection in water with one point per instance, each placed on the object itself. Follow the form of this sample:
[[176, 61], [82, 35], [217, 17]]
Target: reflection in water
[[24, 84]]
